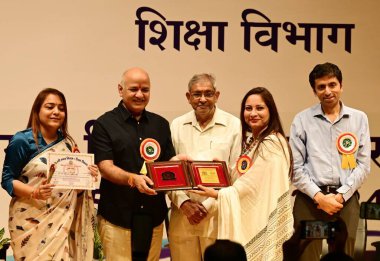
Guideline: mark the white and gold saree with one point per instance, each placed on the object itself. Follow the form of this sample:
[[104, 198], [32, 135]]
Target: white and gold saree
[[256, 211]]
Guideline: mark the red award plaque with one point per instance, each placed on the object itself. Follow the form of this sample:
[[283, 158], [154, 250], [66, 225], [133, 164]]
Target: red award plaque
[[209, 174], [169, 175], [182, 175]]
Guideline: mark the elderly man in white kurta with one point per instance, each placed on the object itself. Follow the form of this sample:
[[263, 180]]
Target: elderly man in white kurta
[[205, 133]]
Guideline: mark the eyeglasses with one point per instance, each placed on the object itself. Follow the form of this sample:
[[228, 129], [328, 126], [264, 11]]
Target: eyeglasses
[[198, 95]]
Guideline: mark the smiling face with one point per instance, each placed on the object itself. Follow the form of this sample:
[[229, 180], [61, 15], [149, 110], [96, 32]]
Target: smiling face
[[202, 96], [256, 114], [328, 90], [52, 113], [135, 90]]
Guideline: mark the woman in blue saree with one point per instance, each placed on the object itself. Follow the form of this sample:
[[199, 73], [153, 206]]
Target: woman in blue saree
[[46, 223]]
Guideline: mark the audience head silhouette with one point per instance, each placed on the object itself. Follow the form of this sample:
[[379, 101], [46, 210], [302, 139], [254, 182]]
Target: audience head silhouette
[[225, 250]]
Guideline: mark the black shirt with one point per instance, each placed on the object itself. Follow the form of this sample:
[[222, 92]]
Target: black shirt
[[117, 136]]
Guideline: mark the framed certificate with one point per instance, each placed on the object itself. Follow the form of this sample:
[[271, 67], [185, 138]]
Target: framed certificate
[[70, 170], [209, 173], [169, 175], [182, 175]]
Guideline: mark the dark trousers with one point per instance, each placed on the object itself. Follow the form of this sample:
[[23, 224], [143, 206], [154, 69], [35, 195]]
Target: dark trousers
[[306, 209]]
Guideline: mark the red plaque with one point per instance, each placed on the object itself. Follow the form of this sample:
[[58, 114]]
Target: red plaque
[[182, 175], [169, 175]]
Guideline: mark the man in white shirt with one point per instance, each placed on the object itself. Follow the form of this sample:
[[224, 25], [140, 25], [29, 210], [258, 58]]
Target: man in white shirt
[[205, 133]]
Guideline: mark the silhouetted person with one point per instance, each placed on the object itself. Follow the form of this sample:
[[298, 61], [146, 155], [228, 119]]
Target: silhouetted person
[[225, 250], [335, 256], [338, 239], [293, 247]]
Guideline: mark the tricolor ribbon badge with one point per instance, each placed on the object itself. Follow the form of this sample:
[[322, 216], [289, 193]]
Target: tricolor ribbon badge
[[150, 150], [347, 145], [243, 164]]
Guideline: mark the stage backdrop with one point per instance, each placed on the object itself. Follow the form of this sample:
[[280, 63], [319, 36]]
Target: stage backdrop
[[82, 48]]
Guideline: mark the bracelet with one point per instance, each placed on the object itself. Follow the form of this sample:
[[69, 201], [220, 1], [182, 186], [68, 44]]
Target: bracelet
[[131, 181], [31, 194]]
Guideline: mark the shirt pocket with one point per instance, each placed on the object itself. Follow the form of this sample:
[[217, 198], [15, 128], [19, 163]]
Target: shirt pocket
[[220, 149]]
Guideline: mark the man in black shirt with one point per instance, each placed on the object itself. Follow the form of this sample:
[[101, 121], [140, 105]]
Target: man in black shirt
[[131, 214]]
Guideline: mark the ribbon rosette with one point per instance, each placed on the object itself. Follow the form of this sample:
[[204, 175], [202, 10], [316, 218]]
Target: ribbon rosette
[[150, 150], [243, 164], [347, 145]]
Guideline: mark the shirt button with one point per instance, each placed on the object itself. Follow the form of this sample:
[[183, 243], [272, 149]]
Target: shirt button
[[140, 138], [142, 206]]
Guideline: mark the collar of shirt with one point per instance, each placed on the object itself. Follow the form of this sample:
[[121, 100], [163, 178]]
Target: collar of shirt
[[126, 114], [217, 119], [318, 112]]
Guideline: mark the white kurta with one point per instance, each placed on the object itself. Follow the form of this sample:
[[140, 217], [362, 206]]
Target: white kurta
[[220, 139], [256, 211]]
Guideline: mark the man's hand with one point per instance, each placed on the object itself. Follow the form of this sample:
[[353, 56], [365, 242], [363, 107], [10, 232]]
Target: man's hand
[[339, 198], [328, 203], [194, 211], [141, 182]]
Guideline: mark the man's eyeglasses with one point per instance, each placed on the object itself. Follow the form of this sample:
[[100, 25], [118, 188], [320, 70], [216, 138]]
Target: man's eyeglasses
[[198, 95]]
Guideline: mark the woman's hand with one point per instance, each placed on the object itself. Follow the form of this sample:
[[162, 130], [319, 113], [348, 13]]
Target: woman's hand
[[43, 191], [94, 171], [205, 191]]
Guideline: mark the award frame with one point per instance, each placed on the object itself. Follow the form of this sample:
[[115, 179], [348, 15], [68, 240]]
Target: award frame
[[70, 170], [169, 175], [211, 174], [182, 175]]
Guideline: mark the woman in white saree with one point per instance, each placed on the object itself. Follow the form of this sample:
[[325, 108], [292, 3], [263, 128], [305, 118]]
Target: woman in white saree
[[46, 223], [256, 210]]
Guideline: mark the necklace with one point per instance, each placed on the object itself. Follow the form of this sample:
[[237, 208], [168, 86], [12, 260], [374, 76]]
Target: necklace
[[249, 145], [245, 162]]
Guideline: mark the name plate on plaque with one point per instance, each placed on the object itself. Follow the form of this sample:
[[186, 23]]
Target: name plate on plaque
[[182, 175]]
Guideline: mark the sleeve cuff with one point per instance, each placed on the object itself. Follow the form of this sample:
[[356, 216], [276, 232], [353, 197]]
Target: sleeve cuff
[[8, 186], [346, 192], [210, 204], [312, 191], [181, 197]]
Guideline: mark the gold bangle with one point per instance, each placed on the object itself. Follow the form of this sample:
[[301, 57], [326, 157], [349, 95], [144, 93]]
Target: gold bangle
[[35, 192], [32, 194]]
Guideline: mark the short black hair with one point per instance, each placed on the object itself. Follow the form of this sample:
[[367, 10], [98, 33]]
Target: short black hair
[[322, 70], [225, 250], [341, 256]]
